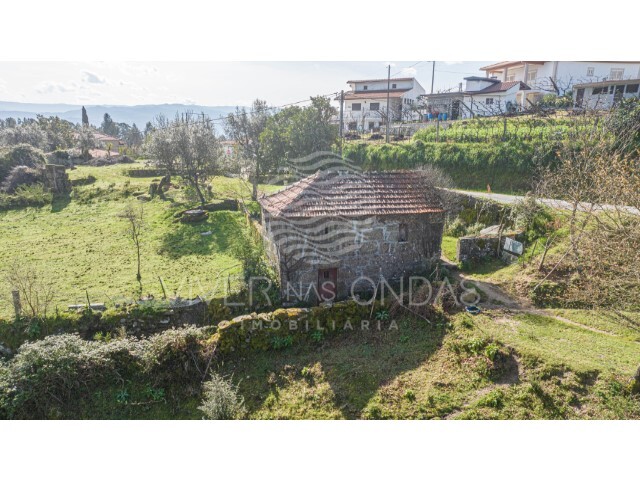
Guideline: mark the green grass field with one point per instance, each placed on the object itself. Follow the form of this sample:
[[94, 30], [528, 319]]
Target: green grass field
[[81, 245]]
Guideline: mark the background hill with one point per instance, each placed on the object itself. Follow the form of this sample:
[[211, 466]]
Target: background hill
[[138, 114]]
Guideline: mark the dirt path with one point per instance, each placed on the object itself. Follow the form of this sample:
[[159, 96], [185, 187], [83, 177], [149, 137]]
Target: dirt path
[[497, 298]]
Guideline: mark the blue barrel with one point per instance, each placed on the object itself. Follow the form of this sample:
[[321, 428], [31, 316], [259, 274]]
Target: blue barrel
[[444, 117], [439, 116], [430, 116]]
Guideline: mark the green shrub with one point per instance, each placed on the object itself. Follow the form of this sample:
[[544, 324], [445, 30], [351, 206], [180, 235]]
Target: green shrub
[[26, 196], [20, 155], [221, 400]]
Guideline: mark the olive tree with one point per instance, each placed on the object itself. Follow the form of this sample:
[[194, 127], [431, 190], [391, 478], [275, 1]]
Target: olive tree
[[245, 128], [188, 149]]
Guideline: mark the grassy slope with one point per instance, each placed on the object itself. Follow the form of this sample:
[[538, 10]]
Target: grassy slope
[[550, 370], [84, 245]]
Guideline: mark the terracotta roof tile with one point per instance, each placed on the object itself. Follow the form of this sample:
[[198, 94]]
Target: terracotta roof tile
[[355, 194]]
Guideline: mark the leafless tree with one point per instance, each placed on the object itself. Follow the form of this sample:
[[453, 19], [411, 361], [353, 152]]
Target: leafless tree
[[35, 291], [133, 215], [597, 175]]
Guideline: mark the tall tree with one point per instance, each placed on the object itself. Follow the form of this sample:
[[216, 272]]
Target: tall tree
[[295, 132], [109, 127], [245, 128], [187, 149], [86, 141], [85, 117], [134, 137]]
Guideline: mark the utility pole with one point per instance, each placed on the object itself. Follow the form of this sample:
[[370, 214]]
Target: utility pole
[[341, 119], [433, 74], [388, 88]]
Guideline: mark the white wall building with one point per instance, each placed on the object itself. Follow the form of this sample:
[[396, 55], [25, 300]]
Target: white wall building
[[481, 96], [365, 105], [559, 77], [603, 95]]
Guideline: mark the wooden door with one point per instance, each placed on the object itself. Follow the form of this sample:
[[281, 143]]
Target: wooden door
[[327, 284]]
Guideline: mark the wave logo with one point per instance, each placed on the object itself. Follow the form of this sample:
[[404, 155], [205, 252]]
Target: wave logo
[[322, 220]]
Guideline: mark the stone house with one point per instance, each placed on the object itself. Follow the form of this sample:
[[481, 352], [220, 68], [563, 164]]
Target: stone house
[[334, 233]]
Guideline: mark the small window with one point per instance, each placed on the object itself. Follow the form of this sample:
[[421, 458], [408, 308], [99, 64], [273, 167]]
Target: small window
[[511, 78], [489, 101], [402, 232], [366, 87], [590, 72], [633, 88], [375, 107], [600, 90], [356, 107], [531, 75], [371, 125], [326, 275], [393, 85], [616, 74]]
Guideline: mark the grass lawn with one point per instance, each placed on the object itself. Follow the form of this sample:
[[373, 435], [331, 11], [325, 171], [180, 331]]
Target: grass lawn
[[450, 248], [81, 244]]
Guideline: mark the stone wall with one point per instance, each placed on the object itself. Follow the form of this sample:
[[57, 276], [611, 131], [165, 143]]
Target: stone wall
[[56, 179], [191, 313], [480, 247], [477, 248], [371, 248]]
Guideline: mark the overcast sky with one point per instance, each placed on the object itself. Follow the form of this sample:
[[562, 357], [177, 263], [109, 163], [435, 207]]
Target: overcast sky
[[204, 83]]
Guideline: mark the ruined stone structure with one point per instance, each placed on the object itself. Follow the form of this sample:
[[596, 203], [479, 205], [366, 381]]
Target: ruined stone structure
[[56, 179], [335, 232]]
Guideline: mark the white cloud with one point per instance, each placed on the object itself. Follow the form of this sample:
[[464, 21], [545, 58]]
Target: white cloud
[[409, 72], [91, 77], [46, 88]]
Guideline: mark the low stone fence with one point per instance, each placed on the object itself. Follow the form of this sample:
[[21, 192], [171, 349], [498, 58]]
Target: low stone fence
[[477, 248], [282, 327]]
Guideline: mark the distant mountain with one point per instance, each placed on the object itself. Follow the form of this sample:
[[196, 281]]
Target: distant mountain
[[138, 114]]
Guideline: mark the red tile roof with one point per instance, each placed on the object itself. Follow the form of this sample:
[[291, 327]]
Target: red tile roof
[[366, 94], [355, 194]]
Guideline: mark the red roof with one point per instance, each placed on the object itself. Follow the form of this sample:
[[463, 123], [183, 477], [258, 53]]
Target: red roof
[[355, 194]]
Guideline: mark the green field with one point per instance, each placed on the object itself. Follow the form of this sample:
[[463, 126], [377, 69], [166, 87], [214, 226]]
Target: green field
[[80, 244]]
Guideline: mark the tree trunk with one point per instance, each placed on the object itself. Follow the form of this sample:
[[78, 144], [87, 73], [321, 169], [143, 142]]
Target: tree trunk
[[198, 191], [256, 176]]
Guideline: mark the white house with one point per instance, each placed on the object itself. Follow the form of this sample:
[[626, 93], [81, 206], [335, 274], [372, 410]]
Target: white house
[[481, 96], [559, 77], [365, 105], [603, 95]]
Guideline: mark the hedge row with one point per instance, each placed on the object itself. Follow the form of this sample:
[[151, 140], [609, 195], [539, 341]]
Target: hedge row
[[505, 166]]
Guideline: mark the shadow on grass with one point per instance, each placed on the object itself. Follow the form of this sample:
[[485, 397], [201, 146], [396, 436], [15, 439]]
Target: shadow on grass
[[355, 365], [485, 267], [227, 230], [60, 202]]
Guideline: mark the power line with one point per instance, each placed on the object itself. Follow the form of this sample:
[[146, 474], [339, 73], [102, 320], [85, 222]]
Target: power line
[[220, 120]]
